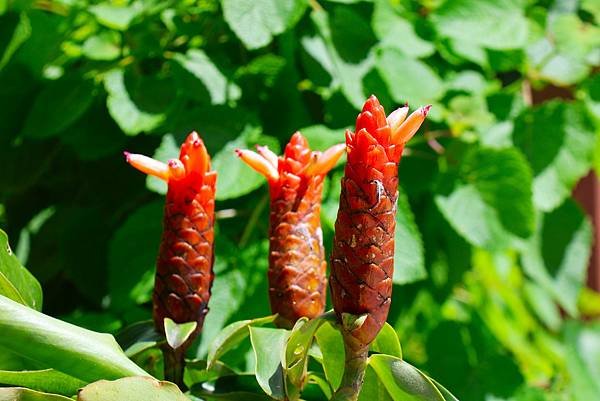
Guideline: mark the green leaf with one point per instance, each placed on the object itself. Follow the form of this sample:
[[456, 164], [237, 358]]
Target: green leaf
[[472, 218], [25, 394], [558, 140], [236, 178], [57, 106], [80, 353], [20, 34], [141, 231], [115, 16], [269, 348], [104, 46], [504, 180], [408, 80], [138, 337], [124, 110], [346, 75], [583, 359], [373, 389], [256, 22], [496, 24], [403, 381], [231, 336], [197, 63], [390, 27], [47, 380], [387, 342], [16, 282], [178, 333], [409, 257], [296, 354], [321, 137], [332, 347], [131, 389], [556, 257]]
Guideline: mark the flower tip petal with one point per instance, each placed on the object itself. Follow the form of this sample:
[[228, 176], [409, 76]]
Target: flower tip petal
[[425, 110]]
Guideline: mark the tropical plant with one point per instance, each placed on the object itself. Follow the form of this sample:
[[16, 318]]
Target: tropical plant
[[489, 293]]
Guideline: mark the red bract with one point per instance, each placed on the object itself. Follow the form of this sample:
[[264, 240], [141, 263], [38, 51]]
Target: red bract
[[362, 260], [184, 273], [297, 267]]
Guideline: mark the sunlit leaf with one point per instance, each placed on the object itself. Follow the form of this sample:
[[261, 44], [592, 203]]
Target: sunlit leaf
[[255, 22], [131, 389], [16, 282]]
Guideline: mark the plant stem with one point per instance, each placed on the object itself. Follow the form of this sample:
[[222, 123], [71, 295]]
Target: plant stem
[[354, 370], [174, 364]]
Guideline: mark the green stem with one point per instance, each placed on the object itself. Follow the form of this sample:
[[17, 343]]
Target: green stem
[[354, 370], [174, 365]]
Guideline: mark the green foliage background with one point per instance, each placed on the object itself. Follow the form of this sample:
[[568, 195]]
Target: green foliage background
[[491, 250]]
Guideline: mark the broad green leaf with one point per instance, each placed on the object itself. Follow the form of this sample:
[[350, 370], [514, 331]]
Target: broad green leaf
[[228, 289], [269, 351], [138, 337], [583, 359], [407, 79], [346, 75], [390, 27], [256, 22], [128, 115], [131, 274], [402, 380], [104, 46], [57, 106], [496, 24], [409, 258], [542, 302], [116, 16], [16, 282], [296, 354], [236, 178], [503, 178], [556, 257], [178, 333], [558, 140], [197, 371], [387, 342], [472, 218], [197, 63], [231, 336], [131, 389], [47, 380], [20, 34], [80, 353], [321, 137], [320, 380], [373, 389], [25, 394], [332, 347]]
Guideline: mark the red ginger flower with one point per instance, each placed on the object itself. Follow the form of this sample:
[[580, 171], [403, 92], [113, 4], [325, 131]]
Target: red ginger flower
[[184, 272], [297, 266], [362, 260]]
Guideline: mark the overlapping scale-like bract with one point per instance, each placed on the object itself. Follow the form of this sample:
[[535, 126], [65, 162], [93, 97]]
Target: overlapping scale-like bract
[[184, 272], [297, 266], [362, 257]]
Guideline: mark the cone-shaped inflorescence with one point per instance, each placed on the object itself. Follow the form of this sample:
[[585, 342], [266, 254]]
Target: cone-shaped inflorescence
[[297, 266], [362, 259], [184, 272]]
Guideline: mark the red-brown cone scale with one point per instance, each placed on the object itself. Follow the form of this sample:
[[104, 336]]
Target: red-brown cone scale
[[184, 272], [362, 260], [297, 266]]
